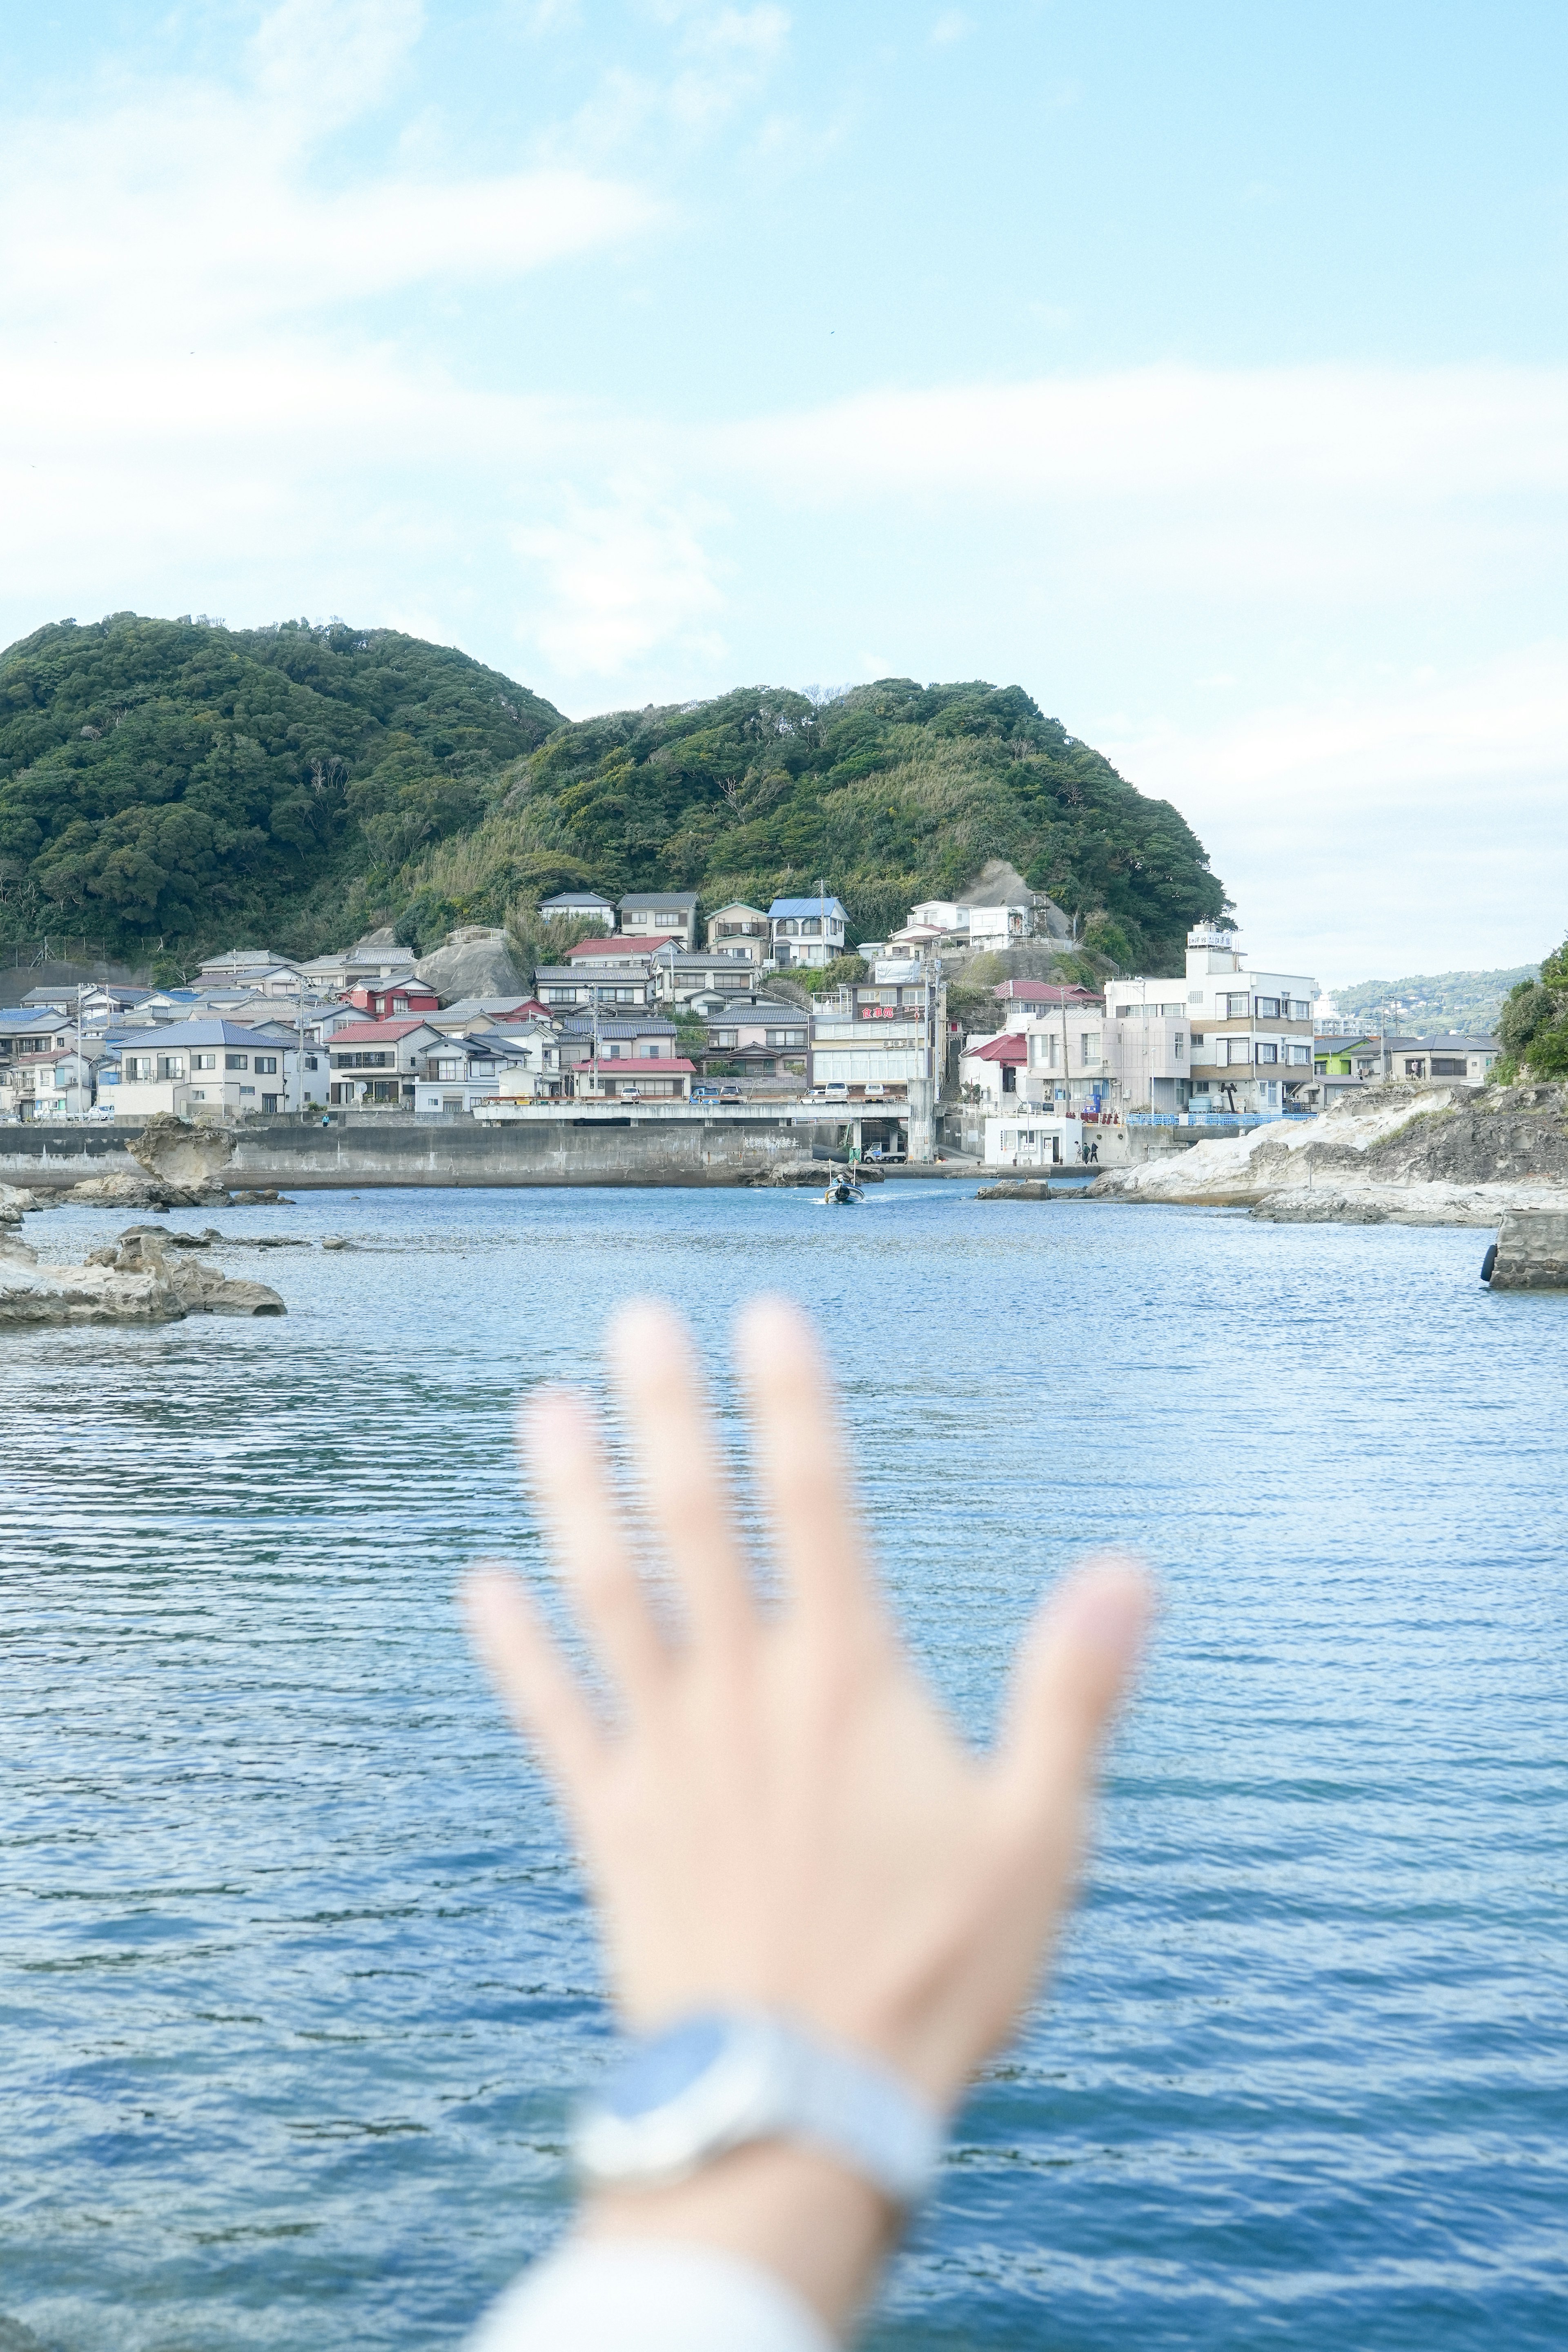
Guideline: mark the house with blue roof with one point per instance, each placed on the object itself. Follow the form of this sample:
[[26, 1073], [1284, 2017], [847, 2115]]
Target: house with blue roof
[[214, 1069], [806, 930]]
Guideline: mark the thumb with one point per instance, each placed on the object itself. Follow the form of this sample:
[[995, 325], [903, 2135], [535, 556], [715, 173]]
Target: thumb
[[1072, 1670]]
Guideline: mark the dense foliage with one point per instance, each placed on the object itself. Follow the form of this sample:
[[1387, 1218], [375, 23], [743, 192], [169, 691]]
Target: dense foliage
[[183, 786], [1534, 1025], [177, 783], [890, 794]]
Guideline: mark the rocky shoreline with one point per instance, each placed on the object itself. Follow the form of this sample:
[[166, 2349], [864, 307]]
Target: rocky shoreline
[[1397, 1155]]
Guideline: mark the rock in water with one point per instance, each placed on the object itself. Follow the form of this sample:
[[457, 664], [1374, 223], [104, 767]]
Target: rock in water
[[32, 1294], [181, 1152], [140, 1282], [1531, 1251], [471, 961], [1026, 1189], [201, 1289]]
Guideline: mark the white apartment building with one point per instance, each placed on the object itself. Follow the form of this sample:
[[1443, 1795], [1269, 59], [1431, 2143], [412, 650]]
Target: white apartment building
[[809, 931], [973, 927], [1249, 1033], [212, 1069]]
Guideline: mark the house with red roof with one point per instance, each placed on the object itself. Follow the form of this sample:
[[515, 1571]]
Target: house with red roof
[[378, 1061], [393, 1000], [993, 1066]]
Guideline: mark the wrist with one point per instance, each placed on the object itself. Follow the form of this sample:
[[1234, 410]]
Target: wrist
[[821, 2230]]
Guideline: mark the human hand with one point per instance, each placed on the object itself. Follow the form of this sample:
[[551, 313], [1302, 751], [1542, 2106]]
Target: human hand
[[774, 1811]]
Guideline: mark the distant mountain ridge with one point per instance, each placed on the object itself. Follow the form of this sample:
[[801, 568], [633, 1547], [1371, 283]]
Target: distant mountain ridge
[[1471, 1003], [172, 787]]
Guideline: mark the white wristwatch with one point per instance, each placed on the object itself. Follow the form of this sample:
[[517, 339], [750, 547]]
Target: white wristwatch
[[721, 2079]]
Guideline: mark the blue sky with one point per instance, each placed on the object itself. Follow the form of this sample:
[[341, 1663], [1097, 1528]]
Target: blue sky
[[1201, 368]]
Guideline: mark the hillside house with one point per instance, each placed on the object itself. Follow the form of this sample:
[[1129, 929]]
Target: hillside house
[[809, 931], [741, 930], [579, 907], [655, 915]]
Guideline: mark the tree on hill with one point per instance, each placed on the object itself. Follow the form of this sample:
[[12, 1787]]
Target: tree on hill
[[174, 786], [1533, 1029], [893, 792], [174, 781]]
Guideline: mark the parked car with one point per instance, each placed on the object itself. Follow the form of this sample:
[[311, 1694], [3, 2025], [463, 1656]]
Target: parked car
[[731, 1094]]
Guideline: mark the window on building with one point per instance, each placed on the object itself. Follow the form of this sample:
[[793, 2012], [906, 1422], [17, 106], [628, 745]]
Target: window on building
[[1444, 1066], [310, 1061], [1268, 1051], [1177, 1042], [668, 922], [1299, 1012], [1195, 996], [236, 1061], [1237, 1008], [1268, 1008], [1415, 1069], [1089, 1050], [267, 1065], [1302, 1054]]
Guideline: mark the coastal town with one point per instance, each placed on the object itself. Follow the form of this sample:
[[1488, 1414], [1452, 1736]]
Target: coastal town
[[657, 1008]]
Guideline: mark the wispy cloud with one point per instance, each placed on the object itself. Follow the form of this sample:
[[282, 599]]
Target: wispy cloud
[[190, 209], [623, 577]]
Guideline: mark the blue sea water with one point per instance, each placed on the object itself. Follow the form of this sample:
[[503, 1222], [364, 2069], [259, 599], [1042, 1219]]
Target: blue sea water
[[295, 1975]]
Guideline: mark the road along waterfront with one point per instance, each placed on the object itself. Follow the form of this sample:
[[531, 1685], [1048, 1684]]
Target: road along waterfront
[[297, 1978]]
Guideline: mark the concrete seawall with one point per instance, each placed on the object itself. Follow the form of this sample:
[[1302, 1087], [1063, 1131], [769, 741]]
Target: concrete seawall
[[725, 1150]]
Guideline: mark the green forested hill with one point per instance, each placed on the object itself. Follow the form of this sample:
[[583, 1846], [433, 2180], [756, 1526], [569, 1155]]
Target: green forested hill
[[177, 783], [891, 793], [172, 781]]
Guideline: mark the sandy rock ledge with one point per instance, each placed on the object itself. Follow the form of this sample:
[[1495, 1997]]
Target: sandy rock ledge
[[146, 1278]]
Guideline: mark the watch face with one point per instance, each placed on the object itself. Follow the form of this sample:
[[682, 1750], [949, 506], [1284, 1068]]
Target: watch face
[[657, 2073]]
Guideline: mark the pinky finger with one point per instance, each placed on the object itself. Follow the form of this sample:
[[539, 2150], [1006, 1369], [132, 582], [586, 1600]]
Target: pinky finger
[[544, 1696]]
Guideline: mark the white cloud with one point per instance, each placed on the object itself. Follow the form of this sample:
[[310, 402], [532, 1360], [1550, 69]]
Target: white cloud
[[1411, 433], [624, 577], [725, 56], [327, 61], [1353, 832], [184, 210]]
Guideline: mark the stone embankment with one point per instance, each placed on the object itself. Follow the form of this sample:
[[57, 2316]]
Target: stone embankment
[[1531, 1251], [1024, 1187], [150, 1276], [1401, 1155]]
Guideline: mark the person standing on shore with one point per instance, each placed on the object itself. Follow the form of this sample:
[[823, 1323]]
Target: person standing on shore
[[822, 1913]]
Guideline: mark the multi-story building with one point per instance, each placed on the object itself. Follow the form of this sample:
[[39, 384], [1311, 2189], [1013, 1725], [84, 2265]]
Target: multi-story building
[[975, 927], [883, 1041], [754, 1038], [379, 1062], [740, 928], [208, 1070], [1248, 1035], [614, 974], [810, 931], [680, 979], [652, 915]]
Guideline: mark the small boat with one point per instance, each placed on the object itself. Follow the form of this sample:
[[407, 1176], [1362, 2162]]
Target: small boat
[[842, 1192]]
